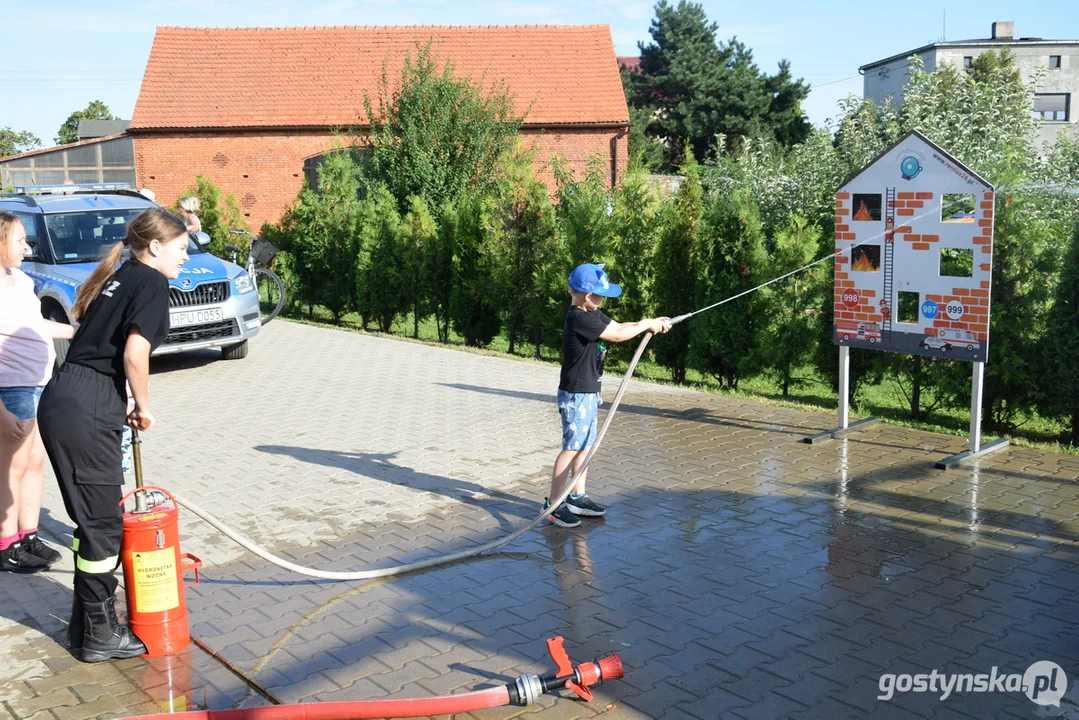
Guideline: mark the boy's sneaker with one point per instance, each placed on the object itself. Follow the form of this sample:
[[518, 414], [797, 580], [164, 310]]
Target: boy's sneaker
[[18, 559], [36, 546], [583, 505], [562, 517]]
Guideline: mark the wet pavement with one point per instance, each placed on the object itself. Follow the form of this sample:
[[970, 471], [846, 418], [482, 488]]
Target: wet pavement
[[739, 573]]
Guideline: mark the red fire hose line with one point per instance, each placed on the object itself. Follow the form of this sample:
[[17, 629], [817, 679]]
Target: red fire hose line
[[402, 708]]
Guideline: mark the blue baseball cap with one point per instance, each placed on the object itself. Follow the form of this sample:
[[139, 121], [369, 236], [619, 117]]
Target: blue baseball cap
[[590, 278]]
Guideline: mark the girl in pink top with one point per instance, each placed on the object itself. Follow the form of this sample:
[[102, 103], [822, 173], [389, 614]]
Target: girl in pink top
[[26, 359]]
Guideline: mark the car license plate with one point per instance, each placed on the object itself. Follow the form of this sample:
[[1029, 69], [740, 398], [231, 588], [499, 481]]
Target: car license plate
[[195, 317]]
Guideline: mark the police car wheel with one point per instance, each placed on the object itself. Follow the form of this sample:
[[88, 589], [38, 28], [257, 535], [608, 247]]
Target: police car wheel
[[234, 352]]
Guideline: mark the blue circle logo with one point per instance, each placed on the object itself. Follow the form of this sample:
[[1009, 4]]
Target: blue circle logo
[[910, 167], [929, 309]]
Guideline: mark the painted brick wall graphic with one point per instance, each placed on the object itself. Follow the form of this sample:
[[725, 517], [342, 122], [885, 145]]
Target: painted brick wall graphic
[[914, 237]]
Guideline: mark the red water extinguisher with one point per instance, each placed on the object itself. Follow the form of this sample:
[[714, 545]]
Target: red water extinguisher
[[154, 567]]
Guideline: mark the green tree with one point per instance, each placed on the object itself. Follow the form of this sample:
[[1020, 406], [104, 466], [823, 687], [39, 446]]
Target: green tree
[[1061, 346], [439, 270], [418, 232], [69, 131], [218, 213], [527, 251], [674, 268], [473, 306], [324, 249], [13, 142], [730, 257], [697, 88], [381, 291], [788, 330], [636, 217], [437, 134], [584, 216]]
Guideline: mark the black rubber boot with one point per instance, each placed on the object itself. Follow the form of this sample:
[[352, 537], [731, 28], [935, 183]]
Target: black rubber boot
[[76, 626], [105, 638]]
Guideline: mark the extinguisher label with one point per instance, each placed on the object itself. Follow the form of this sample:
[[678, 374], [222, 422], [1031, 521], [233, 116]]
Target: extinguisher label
[[155, 580]]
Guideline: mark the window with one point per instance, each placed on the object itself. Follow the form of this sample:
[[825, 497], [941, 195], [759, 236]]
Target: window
[[865, 258], [1052, 106], [956, 262], [968, 61], [908, 307], [866, 207], [29, 222], [1054, 61], [957, 208]]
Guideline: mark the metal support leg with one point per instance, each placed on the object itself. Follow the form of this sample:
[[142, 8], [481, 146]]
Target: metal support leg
[[844, 404], [844, 386], [974, 443]]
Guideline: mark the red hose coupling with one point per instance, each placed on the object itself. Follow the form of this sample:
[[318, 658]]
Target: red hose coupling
[[527, 688]]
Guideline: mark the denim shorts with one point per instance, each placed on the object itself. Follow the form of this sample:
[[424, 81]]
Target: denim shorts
[[21, 401], [579, 412]]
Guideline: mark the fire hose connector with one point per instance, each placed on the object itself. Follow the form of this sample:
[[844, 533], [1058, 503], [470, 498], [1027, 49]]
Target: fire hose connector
[[526, 690]]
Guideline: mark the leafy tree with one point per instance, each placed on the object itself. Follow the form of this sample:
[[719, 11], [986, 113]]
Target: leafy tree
[[674, 267], [13, 142], [698, 88], [69, 131], [584, 216], [473, 308], [438, 271], [788, 328], [729, 257], [418, 232], [528, 252], [636, 216], [436, 135], [382, 276], [218, 213], [645, 152], [1061, 345], [324, 245]]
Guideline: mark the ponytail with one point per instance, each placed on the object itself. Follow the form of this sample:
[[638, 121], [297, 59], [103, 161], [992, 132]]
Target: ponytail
[[149, 225], [97, 281]]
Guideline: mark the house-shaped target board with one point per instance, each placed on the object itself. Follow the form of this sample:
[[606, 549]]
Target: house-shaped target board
[[913, 269], [914, 237]]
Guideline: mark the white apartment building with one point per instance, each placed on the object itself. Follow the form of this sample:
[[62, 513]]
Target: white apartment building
[[1056, 99]]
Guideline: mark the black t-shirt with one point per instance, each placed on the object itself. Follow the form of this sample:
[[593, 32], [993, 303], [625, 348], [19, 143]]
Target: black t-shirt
[[581, 356], [137, 295]]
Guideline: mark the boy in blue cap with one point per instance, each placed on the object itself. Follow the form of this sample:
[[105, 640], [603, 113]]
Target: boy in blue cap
[[578, 389]]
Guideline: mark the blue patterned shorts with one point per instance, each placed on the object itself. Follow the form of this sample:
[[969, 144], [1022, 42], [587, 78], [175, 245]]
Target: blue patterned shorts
[[579, 412]]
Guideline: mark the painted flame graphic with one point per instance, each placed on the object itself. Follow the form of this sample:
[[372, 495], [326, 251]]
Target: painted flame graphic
[[863, 263], [863, 212]]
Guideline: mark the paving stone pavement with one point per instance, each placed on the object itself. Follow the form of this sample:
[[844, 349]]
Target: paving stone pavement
[[739, 573]]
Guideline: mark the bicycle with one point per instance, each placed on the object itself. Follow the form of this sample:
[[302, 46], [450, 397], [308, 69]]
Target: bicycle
[[270, 288]]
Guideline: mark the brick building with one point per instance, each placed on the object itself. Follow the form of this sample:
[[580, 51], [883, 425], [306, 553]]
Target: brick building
[[254, 108]]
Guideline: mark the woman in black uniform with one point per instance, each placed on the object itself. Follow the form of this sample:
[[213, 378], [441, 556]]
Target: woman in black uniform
[[123, 315]]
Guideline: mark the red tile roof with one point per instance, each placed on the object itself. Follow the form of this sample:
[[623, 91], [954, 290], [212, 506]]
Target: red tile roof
[[317, 76]]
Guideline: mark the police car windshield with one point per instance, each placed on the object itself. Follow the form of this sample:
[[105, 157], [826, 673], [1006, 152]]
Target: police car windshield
[[81, 237]]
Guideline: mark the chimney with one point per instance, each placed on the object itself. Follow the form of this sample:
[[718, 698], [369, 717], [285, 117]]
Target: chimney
[[1003, 30]]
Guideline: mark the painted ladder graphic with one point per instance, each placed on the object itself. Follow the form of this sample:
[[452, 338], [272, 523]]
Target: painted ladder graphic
[[889, 255]]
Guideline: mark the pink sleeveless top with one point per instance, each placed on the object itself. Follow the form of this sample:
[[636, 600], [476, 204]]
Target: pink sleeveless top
[[26, 350]]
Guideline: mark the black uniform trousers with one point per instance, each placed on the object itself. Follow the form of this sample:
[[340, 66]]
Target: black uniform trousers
[[81, 417]]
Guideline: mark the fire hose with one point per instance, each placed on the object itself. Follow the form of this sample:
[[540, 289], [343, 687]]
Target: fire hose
[[369, 574], [525, 690]]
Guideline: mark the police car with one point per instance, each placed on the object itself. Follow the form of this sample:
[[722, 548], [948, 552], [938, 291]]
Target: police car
[[68, 227]]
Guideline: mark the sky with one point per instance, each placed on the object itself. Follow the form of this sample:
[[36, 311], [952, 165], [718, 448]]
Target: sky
[[60, 55]]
